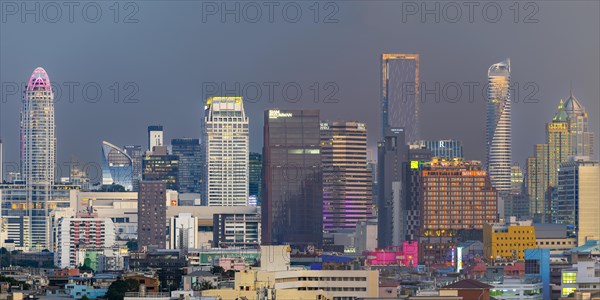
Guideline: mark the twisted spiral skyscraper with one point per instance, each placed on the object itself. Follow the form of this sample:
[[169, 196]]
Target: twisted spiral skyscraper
[[498, 134]]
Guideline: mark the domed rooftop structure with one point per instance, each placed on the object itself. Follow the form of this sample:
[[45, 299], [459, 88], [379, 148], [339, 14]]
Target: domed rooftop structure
[[39, 81]]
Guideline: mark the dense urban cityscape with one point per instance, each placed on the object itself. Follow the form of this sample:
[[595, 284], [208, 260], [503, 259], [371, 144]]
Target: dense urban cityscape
[[318, 214]]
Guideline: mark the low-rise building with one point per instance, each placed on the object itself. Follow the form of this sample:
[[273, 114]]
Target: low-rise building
[[277, 276], [553, 237], [508, 241], [76, 235]]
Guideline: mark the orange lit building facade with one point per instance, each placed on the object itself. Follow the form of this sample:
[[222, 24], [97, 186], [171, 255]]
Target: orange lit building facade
[[456, 195]]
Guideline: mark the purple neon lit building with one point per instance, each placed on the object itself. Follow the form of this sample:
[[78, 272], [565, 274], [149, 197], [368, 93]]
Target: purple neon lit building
[[347, 180]]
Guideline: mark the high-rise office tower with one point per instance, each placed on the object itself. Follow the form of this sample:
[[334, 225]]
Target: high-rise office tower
[[347, 182], [189, 152], [577, 201], [391, 213], [417, 157], [498, 134], [152, 214], [582, 139], [400, 90], [542, 168], [517, 204], [446, 149], [226, 148], [516, 179], [117, 166], [292, 189], [136, 154], [161, 167], [38, 141], [155, 137], [38, 155], [254, 178]]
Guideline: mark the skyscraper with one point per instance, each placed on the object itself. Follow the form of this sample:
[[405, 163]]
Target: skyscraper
[[155, 137], [391, 214], [542, 168], [577, 202], [499, 157], [162, 167], [292, 189], [38, 141], [400, 94], [189, 152], [226, 151], [136, 154], [117, 166], [582, 139], [347, 182], [152, 214], [38, 155], [254, 178]]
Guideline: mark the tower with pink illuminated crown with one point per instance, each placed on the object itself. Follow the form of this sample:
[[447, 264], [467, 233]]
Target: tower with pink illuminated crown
[[38, 155]]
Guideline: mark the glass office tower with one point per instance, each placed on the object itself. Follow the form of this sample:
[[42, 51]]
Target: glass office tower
[[292, 189], [400, 94], [117, 166], [189, 152]]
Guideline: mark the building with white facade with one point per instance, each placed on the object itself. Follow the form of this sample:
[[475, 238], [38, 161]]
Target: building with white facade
[[277, 276], [120, 207], [183, 231], [226, 150], [499, 141], [77, 234], [38, 157]]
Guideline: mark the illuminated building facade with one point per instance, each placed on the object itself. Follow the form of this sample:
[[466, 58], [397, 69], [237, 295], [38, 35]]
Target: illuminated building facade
[[38, 157], [254, 178], [577, 202], [16, 221], [161, 167], [117, 166], [400, 92], [498, 133], [292, 188], [347, 182], [226, 148], [582, 139], [189, 152], [456, 195], [542, 168]]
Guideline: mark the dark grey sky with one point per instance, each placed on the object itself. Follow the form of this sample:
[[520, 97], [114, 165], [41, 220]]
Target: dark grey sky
[[171, 54]]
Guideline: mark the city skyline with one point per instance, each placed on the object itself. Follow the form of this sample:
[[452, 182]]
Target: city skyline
[[533, 62]]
